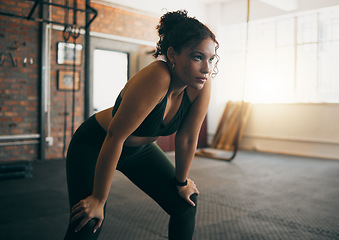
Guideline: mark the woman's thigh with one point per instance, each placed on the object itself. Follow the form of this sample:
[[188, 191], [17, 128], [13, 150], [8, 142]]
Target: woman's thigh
[[80, 166], [152, 171]]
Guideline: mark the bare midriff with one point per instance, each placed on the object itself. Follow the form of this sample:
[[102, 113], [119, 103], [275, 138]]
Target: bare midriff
[[104, 118]]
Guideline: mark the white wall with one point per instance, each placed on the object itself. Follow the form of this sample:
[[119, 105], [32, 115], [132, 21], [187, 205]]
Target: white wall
[[236, 11], [298, 129]]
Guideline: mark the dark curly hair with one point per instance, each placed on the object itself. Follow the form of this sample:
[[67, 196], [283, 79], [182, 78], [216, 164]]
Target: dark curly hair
[[178, 30]]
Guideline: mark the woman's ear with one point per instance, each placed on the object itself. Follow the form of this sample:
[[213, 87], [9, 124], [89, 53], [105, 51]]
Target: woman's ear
[[171, 55]]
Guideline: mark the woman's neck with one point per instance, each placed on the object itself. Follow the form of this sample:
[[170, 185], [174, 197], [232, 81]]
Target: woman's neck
[[176, 86]]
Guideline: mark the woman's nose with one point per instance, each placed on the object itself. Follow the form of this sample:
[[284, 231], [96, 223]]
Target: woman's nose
[[206, 67]]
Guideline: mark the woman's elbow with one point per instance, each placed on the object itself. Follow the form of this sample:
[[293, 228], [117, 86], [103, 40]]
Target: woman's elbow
[[185, 140], [116, 137]]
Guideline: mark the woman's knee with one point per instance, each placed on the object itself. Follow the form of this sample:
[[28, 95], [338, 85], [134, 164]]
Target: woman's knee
[[182, 224], [186, 210], [193, 209], [86, 233]]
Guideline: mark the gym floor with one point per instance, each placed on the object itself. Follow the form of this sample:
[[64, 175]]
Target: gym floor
[[256, 196]]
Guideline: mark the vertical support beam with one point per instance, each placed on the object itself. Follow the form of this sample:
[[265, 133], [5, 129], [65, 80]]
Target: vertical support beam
[[87, 71], [42, 89]]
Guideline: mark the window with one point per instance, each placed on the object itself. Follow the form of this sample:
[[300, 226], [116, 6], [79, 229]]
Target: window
[[288, 59], [110, 72]]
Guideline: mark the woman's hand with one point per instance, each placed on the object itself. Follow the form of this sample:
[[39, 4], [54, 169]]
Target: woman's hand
[[88, 208], [186, 191]]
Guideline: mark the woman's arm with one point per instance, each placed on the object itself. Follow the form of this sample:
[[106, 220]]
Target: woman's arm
[[143, 93], [187, 137]]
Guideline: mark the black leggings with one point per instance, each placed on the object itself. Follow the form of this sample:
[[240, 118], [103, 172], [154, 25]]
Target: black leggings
[[146, 166]]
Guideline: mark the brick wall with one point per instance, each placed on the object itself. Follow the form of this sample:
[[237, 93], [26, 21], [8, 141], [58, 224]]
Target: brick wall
[[19, 85], [123, 23]]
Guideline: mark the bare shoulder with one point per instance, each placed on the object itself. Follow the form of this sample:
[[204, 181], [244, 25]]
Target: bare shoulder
[[157, 67], [153, 77], [148, 86], [158, 73]]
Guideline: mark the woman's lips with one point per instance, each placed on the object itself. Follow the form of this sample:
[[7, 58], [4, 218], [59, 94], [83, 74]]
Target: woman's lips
[[202, 79]]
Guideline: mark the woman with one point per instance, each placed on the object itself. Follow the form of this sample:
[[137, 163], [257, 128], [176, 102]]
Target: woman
[[164, 97]]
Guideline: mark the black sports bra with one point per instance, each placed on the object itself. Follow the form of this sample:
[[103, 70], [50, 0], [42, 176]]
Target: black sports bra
[[153, 124]]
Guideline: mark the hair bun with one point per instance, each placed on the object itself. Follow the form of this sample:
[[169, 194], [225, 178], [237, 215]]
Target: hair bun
[[170, 20]]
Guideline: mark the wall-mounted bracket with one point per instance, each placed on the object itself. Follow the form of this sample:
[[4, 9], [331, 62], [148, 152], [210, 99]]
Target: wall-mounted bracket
[[40, 3]]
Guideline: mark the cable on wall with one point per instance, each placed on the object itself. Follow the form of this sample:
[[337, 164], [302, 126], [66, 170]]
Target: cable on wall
[[70, 31]]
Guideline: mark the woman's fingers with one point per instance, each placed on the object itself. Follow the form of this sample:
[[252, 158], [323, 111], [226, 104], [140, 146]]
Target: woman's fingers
[[82, 224], [187, 191], [190, 201], [194, 187], [77, 210], [98, 225], [77, 216], [197, 192], [78, 207], [85, 210]]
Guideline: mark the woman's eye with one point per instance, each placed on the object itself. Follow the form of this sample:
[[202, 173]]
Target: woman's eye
[[197, 57], [211, 60]]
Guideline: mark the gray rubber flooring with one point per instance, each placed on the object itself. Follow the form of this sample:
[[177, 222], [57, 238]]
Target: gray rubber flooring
[[258, 196]]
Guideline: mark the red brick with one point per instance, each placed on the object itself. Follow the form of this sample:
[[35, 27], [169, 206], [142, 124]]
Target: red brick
[[16, 119]]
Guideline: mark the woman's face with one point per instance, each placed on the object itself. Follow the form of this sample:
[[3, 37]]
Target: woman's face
[[194, 65]]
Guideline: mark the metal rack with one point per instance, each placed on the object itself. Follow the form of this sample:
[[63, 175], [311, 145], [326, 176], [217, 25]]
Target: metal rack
[[38, 12], [41, 4]]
